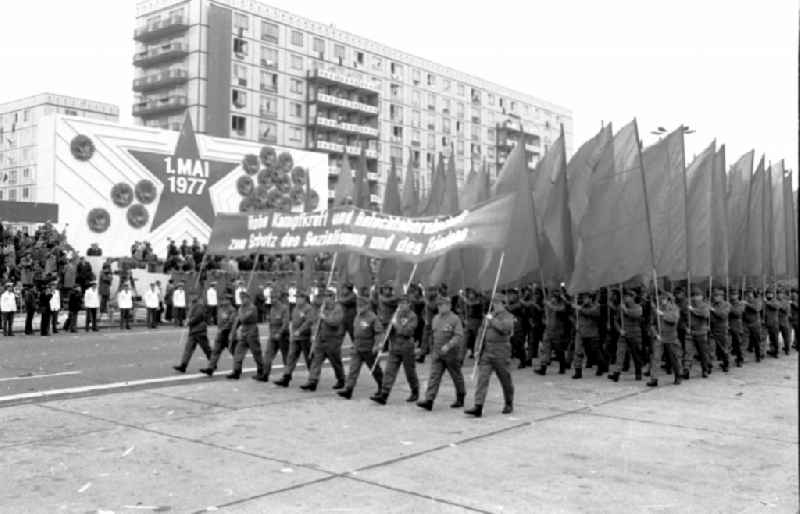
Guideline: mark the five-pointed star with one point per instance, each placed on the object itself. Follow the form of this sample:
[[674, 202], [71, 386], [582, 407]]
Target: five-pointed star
[[197, 198]]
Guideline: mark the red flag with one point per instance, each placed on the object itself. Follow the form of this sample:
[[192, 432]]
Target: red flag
[[778, 227], [614, 238], [791, 226], [344, 192], [666, 198], [754, 243], [579, 176], [719, 217], [391, 205], [767, 227], [448, 269], [555, 226], [738, 192], [410, 199], [698, 212], [476, 191]]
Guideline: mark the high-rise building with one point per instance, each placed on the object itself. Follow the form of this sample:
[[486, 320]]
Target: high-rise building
[[18, 137], [247, 70]]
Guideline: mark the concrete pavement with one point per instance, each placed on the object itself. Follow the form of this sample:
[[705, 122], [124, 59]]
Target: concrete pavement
[[725, 444]]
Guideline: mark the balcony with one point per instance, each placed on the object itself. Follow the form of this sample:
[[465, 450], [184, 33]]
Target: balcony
[[349, 105], [533, 148], [160, 54], [330, 78], [374, 198], [333, 171], [328, 146], [160, 80], [322, 121], [158, 106], [168, 26], [372, 176]]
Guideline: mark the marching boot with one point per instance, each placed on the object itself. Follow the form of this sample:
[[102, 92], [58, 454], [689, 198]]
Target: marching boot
[[637, 372], [459, 402], [284, 381], [476, 411], [541, 370], [207, 371], [426, 404], [260, 378], [379, 398], [653, 382], [339, 384], [578, 373], [562, 367], [705, 373], [677, 379], [180, 369], [233, 375], [414, 396], [614, 376], [686, 374], [311, 386], [508, 408], [346, 393]]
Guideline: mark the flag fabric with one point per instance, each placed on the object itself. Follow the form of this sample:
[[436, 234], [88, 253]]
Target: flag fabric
[[392, 204], [410, 198], [614, 242], [698, 212], [738, 191], [476, 191], [521, 254], [779, 262], [433, 204], [719, 217], [664, 165], [767, 226], [754, 253], [358, 269], [579, 176], [555, 225], [791, 226], [448, 269], [344, 192]]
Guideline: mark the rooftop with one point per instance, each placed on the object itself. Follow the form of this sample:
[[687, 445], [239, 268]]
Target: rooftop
[[59, 100]]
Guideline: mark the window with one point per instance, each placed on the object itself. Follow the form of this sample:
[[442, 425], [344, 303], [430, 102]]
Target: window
[[338, 52], [296, 86], [416, 77], [26, 173], [415, 98], [459, 127], [12, 177], [431, 79], [269, 57], [239, 47], [269, 31], [460, 89], [431, 101], [396, 113], [460, 147], [240, 73], [475, 149], [475, 96], [69, 112], [297, 62], [396, 153], [267, 131], [318, 45], [446, 125], [394, 89], [377, 64], [239, 124], [446, 105], [269, 81], [431, 142], [25, 114], [446, 85], [295, 134], [12, 195], [239, 98], [25, 193], [444, 141], [415, 119], [268, 107], [490, 99], [241, 22], [396, 69], [297, 38], [359, 57], [415, 137], [397, 131], [296, 110]]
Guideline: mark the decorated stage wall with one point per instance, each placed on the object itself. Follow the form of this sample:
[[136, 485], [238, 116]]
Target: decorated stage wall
[[116, 184]]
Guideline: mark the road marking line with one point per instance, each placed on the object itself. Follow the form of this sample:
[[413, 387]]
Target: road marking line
[[61, 374]]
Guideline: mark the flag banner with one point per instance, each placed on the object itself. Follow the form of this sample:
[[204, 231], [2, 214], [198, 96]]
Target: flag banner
[[698, 212], [719, 217], [361, 232], [555, 226], [779, 262], [448, 269], [738, 189], [767, 226], [579, 176], [666, 198], [754, 253], [614, 239], [476, 191], [791, 226], [392, 206]]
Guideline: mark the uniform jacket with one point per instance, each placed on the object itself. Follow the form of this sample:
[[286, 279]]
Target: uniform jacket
[[499, 328], [91, 300], [632, 321], [555, 325], [75, 300], [448, 334], [669, 325], [125, 300], [179, 298], [246, 320], [303, 319], [151, 299], [348, 301], [331, 328], [197, 319], [367, 330], [783, 313], [720, 313], [699, 319], [589, 320], [771, 313], [279, 320], [752, 313], [225, 318], [386, 307], [403, 329], [735, 316]]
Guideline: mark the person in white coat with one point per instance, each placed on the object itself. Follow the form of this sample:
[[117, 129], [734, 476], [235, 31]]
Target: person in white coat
[[91, 301], [179, 304], [211, 303], [152, 301], [55, 306], [237, 296], [125, 305], [8, 306]]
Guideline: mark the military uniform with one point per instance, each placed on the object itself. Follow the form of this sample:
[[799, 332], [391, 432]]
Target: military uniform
[[278, 335], [517, 310], [630, 339], [348, 300], [555, 334], [198, 335], [752, 323], [588, 339], [367, 337], [474, 319], [328, 344], [771, 309], [720, 316], [401, 351], [226, 315], [697, 339], [303, 319], [736, 329], [495, 357], [246, 329], [431, 310], [446, 354], [534, 312], [666, 342], [783, 323]]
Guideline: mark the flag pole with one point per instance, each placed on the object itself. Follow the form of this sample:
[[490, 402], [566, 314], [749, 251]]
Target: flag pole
[[479, 342], [647, 214], [394, 317]]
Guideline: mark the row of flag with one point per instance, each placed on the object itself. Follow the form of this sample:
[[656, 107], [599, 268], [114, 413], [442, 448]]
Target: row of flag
[[613, 212]]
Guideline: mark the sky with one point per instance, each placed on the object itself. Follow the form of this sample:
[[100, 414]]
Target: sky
[[727, 69]]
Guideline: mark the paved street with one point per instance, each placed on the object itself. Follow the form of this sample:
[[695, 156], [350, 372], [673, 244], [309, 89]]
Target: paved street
[[725, 444]]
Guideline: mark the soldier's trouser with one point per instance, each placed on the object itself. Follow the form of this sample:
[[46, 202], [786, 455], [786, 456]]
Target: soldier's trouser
[[612, 337], [630, 344], [551, 342], [193, 342], [518, 347], [358, 358], [696, 345], [331, 351], [273, 346], [296, 348], [786, 334], [425, 344], [248, 342], [471, 335], [754, 339], [682, 340], [736, 343], [722, 347], [592, 347], [211, 314], [406, 358], [220, 343], [534, 340], [772, 334], [439, 363], [496, 358], [672, 350]]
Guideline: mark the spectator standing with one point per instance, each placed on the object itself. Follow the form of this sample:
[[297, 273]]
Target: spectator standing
[[179, 304], [55, 306], [152, 303], [45, 295], [8, 306], [91, 301], [84, 275], [73, 306], [125, 304], [29, 299], [104, 289]]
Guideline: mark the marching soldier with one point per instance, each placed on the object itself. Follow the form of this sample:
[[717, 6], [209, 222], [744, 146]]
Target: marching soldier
[[495, 357], [198, 335], [347, 299], [752, 322], [588, 338], [630, 336], [431, 310], [401, 351], [720, 315], [666, 340], [697, 337], [226, 315], [446, 354], [328, 344], [417, 301], [387, 303], [736, 328], [303, 319], [554, 334], [474, 318], [794, 318], [783, 320], [278, 333], [771, 308], [535, 307], [518, 336], [367, 337], [244, 336]]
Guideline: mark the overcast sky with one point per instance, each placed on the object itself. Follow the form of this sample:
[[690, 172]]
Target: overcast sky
[[728, 69]]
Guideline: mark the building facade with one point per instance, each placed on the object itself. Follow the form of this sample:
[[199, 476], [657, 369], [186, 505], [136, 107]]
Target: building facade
[[247, 70], [19, 121]]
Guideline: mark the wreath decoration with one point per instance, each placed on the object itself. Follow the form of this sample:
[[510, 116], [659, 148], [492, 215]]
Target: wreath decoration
[[122, 194], [145, 191], [82, 147], [137, 216], [98, 220]]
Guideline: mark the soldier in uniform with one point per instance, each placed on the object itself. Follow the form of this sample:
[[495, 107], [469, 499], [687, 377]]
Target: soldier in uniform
[[431, 310], [474, 318], [752, 322], [794, 318], [367, 337], [495, 357], [697, 338], [535, 314], [554, 334], [303, 320], [630, 336], [278, 333], [518, 336], [720, 315], [735, 327], [328, 344], [245, 333], [665, 340], [347, 298], [387, 303], [418, 306], [401, 351], [783, 320], [588, 339], [771, 308], [225, 317], [198, 334], [446, 354]]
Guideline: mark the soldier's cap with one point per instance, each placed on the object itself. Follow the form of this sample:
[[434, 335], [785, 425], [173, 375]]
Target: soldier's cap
[[500, 297], [443, 300]]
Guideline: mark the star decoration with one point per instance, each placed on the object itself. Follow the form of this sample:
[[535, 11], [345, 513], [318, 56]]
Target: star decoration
[[185, 176]]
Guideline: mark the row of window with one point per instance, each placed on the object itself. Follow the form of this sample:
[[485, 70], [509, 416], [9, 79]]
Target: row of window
[[267, 130], [268, 105], [14, 194], [10, 177]]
